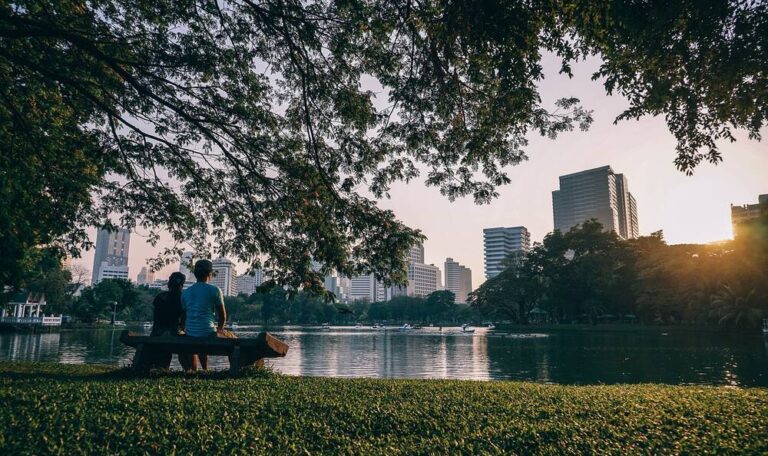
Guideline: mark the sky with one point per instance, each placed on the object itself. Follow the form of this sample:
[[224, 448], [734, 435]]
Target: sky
[[689, 209]]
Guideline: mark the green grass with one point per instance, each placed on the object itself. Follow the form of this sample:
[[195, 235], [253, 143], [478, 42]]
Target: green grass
[[48, 408]]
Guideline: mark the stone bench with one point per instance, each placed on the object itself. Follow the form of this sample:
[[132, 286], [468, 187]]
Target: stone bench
[[241, 352]]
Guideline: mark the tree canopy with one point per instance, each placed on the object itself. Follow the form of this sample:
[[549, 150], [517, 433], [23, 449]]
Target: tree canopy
[[252, 128], [587, 275]]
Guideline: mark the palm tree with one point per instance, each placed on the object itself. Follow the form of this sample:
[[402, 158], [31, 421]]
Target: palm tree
[[734, 308]]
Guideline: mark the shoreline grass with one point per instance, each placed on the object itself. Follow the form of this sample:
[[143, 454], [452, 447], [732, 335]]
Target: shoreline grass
[[75, 409]]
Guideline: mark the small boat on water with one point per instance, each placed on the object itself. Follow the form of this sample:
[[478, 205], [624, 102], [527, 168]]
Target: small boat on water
[[358, 325], [765, 326], [465, 328], [406, 327], [491, 326], [234, 326], [325, 326], [118, 323], [146, 325], [377, 326]]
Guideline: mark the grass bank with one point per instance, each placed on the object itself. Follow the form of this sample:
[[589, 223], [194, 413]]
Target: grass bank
[[49, 408]]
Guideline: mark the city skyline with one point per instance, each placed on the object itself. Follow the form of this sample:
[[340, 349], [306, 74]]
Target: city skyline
[[689, 209]]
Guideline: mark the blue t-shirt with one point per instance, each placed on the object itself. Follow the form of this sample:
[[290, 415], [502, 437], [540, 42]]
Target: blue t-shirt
[[199, 302]]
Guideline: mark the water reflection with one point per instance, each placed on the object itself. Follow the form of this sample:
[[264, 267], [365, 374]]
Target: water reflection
[[566, 357]]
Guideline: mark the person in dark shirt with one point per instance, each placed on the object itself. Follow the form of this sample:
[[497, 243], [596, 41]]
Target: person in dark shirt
[[167, 320]]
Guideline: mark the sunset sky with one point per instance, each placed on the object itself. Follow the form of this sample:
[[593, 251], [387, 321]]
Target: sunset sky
[[690, 209]]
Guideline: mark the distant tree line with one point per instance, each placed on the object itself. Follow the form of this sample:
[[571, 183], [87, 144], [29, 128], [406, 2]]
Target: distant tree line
[[588, 275]]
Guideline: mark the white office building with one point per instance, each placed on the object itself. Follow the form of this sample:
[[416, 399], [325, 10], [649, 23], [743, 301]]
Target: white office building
[[596, 194], [423, 279], [458, 279], [247, 283], [225, 276], [110, 259], [500, 243], [366, 288]]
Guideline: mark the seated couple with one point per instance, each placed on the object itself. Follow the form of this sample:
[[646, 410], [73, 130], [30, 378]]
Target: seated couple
[[198, 311]]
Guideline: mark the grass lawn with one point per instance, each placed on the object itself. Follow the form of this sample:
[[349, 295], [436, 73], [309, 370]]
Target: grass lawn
[[65, 409]]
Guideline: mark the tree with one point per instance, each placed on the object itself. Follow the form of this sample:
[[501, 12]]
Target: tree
[[246, 124], [439, 303], [736, 308], [98, 301]]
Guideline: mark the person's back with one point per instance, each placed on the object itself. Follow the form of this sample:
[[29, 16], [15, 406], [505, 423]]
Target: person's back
[[199, 302], [167, 309]]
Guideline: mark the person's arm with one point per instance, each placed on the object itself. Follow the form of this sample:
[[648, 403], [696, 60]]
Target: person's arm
[[221, 312], [183, 316], [183, 320]]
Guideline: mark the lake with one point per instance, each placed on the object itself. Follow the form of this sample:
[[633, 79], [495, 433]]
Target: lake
[[558, 356]]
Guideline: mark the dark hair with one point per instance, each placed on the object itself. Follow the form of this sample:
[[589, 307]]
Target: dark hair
[[176, 281], [201, 274]]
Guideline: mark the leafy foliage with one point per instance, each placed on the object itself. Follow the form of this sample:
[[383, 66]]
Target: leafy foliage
[[587, 274], [246, 127], [89, 409]]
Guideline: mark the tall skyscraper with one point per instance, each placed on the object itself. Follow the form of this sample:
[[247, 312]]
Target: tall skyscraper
[[110, 259], [499, 243], [458, 279], [746, 212], [596, 194], [145, 277], [225, 276]]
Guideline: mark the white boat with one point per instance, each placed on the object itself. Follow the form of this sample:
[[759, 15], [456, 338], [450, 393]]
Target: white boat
[[325, 326], [118, 323], [406, 327], [147, 325], [377, 326], [234, 326], [765, 326], [465, 328], [491, 326], [358, 325]]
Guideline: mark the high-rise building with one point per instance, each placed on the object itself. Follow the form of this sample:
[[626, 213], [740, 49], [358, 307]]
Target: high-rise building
[[458, 279], [110, 259], [366, 288], [225, 276], [500, 243], [746, 212], [423, 279], [186, 264], [145, 277], [596, 194], [247, 283], [416, 254]]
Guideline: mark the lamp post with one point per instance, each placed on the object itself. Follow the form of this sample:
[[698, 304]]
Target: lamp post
[[114, 311]]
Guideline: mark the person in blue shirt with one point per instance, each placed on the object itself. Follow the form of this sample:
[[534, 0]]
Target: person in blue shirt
[[202, 308]]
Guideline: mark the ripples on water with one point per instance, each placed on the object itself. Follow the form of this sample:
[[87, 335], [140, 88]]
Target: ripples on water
[[569, 357]]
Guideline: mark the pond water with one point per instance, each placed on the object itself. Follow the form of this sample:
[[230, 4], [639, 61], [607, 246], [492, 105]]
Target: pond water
[[566, 357]]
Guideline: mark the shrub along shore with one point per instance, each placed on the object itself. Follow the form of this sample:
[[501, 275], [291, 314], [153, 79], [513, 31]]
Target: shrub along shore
[[50, 408]]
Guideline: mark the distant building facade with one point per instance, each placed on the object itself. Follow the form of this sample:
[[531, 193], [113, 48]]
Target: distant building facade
[[225, 276], [366, 288], [186, 263], [741, 214], [423, 279], [500, 243], [598, 194], [458, 279], [110, 259], [145, 277], [247, 283]]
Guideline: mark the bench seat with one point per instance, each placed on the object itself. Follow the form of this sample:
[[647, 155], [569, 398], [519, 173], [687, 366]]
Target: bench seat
[[241, 352]]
